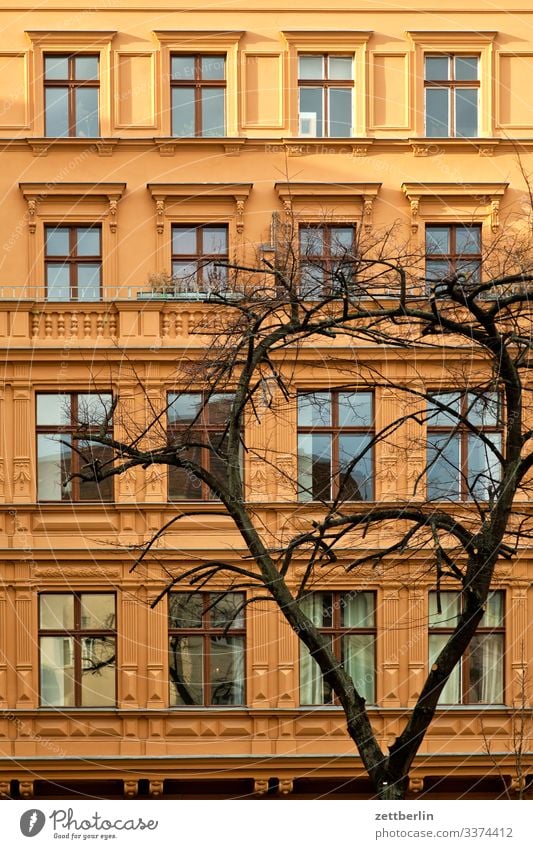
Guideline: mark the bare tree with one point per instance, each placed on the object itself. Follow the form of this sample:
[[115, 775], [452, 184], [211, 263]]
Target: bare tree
[[462, 338]]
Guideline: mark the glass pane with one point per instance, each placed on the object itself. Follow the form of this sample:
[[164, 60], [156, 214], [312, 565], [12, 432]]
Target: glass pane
[[56, 611], [340, 112], [226, 670], [87, 125], [56, 112], [185, 610], [57, 241], [441, 417], [443, 474], [186, 670], [468, 273], [224, 610], [57, 282], [88, 241], [97, 611], [89, 276], [56, 67], [187, 276], [182, 68], [466, 68], [451, 694], [311, 67], [486, 670], [437, 68], [355, 409], [215, 240], [466, 110], [86, 67], [437, 240], [218, 463], [183, 485], [183, 112], [98, 671], [313, 689], [53, 409], [357, 610], [312, 280], [468, 240], [450, 605], [358, 659], [53, 466], [342, 240], [494, 613], [213, 67], [437, 112], [314, 467], [340, 68], [311, 241], [184, 240], [314, 409], [93, 410], [184, 408], [103, 457], [57, 671], [355, 481], [311, 109], [213, 123], [318, 607], [218, 407], [483, 409], [437, 272], [484, 469]]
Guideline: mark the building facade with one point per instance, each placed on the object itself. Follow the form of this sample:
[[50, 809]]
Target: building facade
[[138, 142]]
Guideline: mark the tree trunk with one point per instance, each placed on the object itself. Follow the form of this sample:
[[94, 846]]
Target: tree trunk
[[393, 789]]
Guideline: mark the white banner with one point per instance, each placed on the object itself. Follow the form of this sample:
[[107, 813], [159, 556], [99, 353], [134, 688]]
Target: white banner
[[266, 824]]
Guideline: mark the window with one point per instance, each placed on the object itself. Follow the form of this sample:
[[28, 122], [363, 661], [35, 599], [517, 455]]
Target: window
[[77, 647], [453, 250], [478, 678], [73, 263], [196, 248], [199, 422], [462, 461], [207, 632], [325, 91], [198, 90], [71, 95], [335, 431], [59, 454], [451, 92], [347, 620], [326, 256]]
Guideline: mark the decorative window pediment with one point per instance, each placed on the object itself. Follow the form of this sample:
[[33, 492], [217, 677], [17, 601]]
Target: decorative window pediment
[[443, 201], [332, 200]]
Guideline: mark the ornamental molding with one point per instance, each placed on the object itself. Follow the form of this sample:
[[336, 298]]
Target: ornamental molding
[[477, 194]]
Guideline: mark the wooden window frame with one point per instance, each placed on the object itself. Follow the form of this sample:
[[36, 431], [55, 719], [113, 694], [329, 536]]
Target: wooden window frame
[[69, 430], [453, 257], [465, 659], [199, 256], [336, 430], [327, 259], [460, 429], [73, 260], [325, 83], [77, 633], [204, 428], [72, 84], [337, 631], [206, 631], [452, 85], [199, 85]]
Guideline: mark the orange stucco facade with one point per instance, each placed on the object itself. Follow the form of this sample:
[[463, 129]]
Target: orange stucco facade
[[136, 180]]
